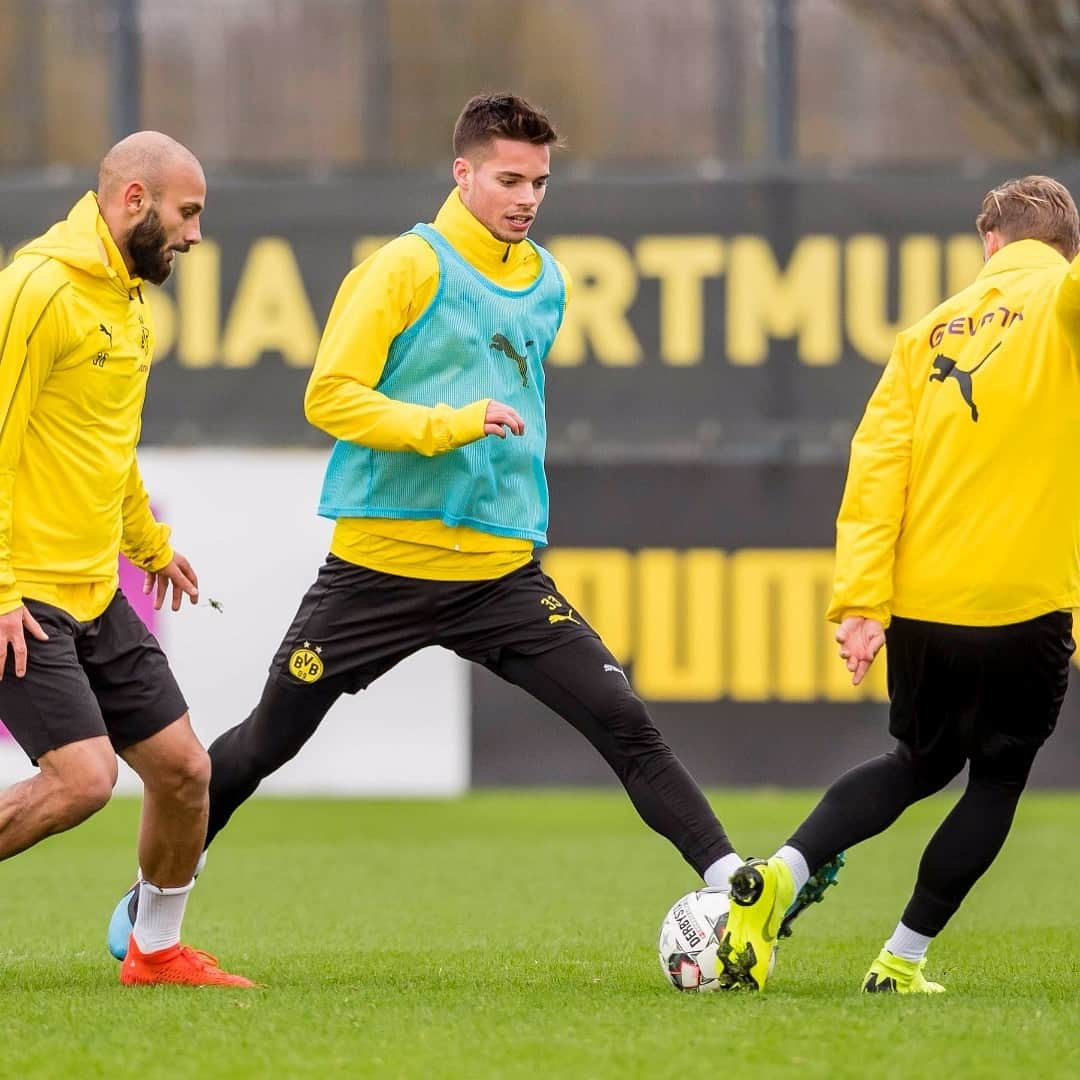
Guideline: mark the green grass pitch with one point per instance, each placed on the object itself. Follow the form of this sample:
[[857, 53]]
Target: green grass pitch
[[513, 935]]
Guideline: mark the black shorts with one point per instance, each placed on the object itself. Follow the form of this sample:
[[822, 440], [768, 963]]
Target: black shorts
[[105, 677], [984, 691], [354, 624]]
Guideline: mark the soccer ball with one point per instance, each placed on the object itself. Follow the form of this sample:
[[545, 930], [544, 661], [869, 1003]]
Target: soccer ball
[[689, 937]]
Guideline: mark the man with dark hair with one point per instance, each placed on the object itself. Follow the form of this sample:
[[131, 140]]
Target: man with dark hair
[[958, 545], [500, 116], [430, 376], [75, 351]]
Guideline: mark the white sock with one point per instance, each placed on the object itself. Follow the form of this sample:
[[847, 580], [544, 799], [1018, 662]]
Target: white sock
[[795, 861], [718, 876], [161, 911], [906, 944]]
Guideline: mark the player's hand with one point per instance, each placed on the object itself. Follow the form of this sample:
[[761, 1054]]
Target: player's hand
[[860, 641], [12, 637], [183, 579], [499, 418]]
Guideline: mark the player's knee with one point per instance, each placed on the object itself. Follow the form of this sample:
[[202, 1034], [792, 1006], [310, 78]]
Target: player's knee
[[1005, 763], [185, 777], [82, 789], [628, 720], [192, 777], [97, 791], [279, 728], [931, 772], [269, 757]]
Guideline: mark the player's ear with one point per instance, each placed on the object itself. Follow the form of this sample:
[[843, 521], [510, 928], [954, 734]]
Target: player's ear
[[462, 173], [993, 242], [136, 198]]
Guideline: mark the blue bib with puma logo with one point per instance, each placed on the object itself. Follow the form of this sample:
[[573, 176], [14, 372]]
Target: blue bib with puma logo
[[475, 340]]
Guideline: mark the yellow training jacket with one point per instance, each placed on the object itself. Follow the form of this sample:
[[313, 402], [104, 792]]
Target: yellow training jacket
[[962, 502], [76, 345], [378, 300]]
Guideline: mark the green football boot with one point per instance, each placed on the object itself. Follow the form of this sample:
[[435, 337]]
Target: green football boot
[[761, 894], [813, 892], [891, 974]]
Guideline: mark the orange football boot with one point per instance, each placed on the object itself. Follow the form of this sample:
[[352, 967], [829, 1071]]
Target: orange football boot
[[178, 965]]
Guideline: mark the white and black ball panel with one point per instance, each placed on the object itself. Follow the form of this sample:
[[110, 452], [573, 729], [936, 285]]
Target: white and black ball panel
[[689, 937]]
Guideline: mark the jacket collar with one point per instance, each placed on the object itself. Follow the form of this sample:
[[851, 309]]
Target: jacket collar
[[494, 258], [1023, 255]]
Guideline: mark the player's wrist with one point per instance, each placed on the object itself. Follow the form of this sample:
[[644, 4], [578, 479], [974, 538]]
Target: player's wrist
[[159, 561], [9, 603], [879, 615], [469, 421]]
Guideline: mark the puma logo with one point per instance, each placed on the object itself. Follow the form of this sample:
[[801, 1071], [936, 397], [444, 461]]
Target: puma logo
[[500, 343], [616, 670], [553, 619], [945, 368], [107, 332], [884, 985]]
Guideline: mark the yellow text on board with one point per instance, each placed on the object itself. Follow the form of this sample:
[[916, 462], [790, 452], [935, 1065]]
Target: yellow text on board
[[830, 295]]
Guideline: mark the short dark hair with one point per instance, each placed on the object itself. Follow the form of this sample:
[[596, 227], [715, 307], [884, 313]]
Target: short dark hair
[[1032, 208], [501, 116]]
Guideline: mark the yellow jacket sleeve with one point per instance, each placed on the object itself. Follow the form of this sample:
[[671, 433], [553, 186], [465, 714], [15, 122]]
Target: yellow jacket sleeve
[[1067, 306], [35, 333], [145, 541], [379, 299], [872, 508]]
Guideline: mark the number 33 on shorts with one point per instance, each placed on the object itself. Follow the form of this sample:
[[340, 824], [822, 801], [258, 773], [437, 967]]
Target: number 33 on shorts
[[554, 604]]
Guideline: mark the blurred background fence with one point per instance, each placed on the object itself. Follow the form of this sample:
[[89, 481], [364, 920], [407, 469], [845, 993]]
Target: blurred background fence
[[319, 84]]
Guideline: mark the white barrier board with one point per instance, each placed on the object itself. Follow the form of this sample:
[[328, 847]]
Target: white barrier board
[[246, 521]]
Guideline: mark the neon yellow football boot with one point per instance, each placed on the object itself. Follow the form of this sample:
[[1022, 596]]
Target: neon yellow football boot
[[891, 974], [761, 893]]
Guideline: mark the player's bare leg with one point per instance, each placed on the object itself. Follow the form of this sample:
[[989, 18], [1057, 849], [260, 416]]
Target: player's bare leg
[[175, 771], [73, 782]]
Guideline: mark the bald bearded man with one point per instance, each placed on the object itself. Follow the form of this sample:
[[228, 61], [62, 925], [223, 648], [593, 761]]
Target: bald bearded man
[[81, 678]]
